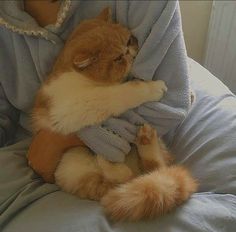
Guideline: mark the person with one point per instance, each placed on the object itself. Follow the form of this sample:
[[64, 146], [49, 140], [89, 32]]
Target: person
[[28, 56], [32, 34]]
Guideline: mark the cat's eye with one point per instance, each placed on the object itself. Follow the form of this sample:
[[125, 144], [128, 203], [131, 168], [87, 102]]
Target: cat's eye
[[119, 58]]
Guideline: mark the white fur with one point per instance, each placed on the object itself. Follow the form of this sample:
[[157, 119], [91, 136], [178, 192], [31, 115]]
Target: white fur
[[114, 172], [75, 164], [77, 102]]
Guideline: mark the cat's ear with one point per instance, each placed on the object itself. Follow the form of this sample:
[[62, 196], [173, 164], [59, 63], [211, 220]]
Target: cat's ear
[[105, 15], [82, 61]]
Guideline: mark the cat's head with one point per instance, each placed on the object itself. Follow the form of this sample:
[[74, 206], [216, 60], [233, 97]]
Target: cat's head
[[100, 49]]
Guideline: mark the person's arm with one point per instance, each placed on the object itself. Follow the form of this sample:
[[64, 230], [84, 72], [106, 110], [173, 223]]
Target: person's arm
[[8, 120], [162, 55]]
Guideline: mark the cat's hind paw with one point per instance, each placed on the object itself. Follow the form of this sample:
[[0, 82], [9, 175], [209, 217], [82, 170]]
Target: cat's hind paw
[[146, 135]]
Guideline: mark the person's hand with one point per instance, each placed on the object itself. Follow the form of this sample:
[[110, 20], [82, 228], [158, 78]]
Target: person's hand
[[105, 142]]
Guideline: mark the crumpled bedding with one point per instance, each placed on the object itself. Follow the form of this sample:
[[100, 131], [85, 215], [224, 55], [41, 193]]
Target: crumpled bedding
[[205, 142]]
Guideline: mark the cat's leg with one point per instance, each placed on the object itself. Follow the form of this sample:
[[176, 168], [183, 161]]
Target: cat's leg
[[99, 103], [151, 149], [114, 172], [132, 94], [79, 174]]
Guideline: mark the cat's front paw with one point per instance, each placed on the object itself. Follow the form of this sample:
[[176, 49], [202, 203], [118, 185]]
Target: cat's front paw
[[157, 90]]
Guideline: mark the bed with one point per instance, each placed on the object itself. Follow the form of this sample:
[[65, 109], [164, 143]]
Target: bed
[[205, 142]]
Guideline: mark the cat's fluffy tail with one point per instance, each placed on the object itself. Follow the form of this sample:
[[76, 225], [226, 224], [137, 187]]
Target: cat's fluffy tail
[[150, 195]]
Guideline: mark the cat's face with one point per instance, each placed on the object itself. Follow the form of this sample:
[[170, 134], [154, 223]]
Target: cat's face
[[101, 50]]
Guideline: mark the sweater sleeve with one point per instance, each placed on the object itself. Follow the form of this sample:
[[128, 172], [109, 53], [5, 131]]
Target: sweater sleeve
[[162, 56]]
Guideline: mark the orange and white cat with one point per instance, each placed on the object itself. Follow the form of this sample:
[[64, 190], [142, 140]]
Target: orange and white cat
[[87, 86]]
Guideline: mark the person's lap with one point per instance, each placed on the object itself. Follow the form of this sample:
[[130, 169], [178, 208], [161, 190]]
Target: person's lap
[[32, 205], [204, 142], [19, 185]]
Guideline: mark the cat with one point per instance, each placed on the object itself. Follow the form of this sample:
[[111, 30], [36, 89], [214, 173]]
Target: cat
[[88, 85]]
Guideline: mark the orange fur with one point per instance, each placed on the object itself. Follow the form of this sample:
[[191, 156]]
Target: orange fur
[[150, 195], [100, 42], [46, 150], [86, 87], [93, 66], [103, 49], [44, 161], [93, 186], [158, 191], [150, 165]]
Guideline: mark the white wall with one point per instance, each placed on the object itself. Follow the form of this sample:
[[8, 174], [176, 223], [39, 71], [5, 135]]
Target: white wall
[[195, 20], [221, 50]]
